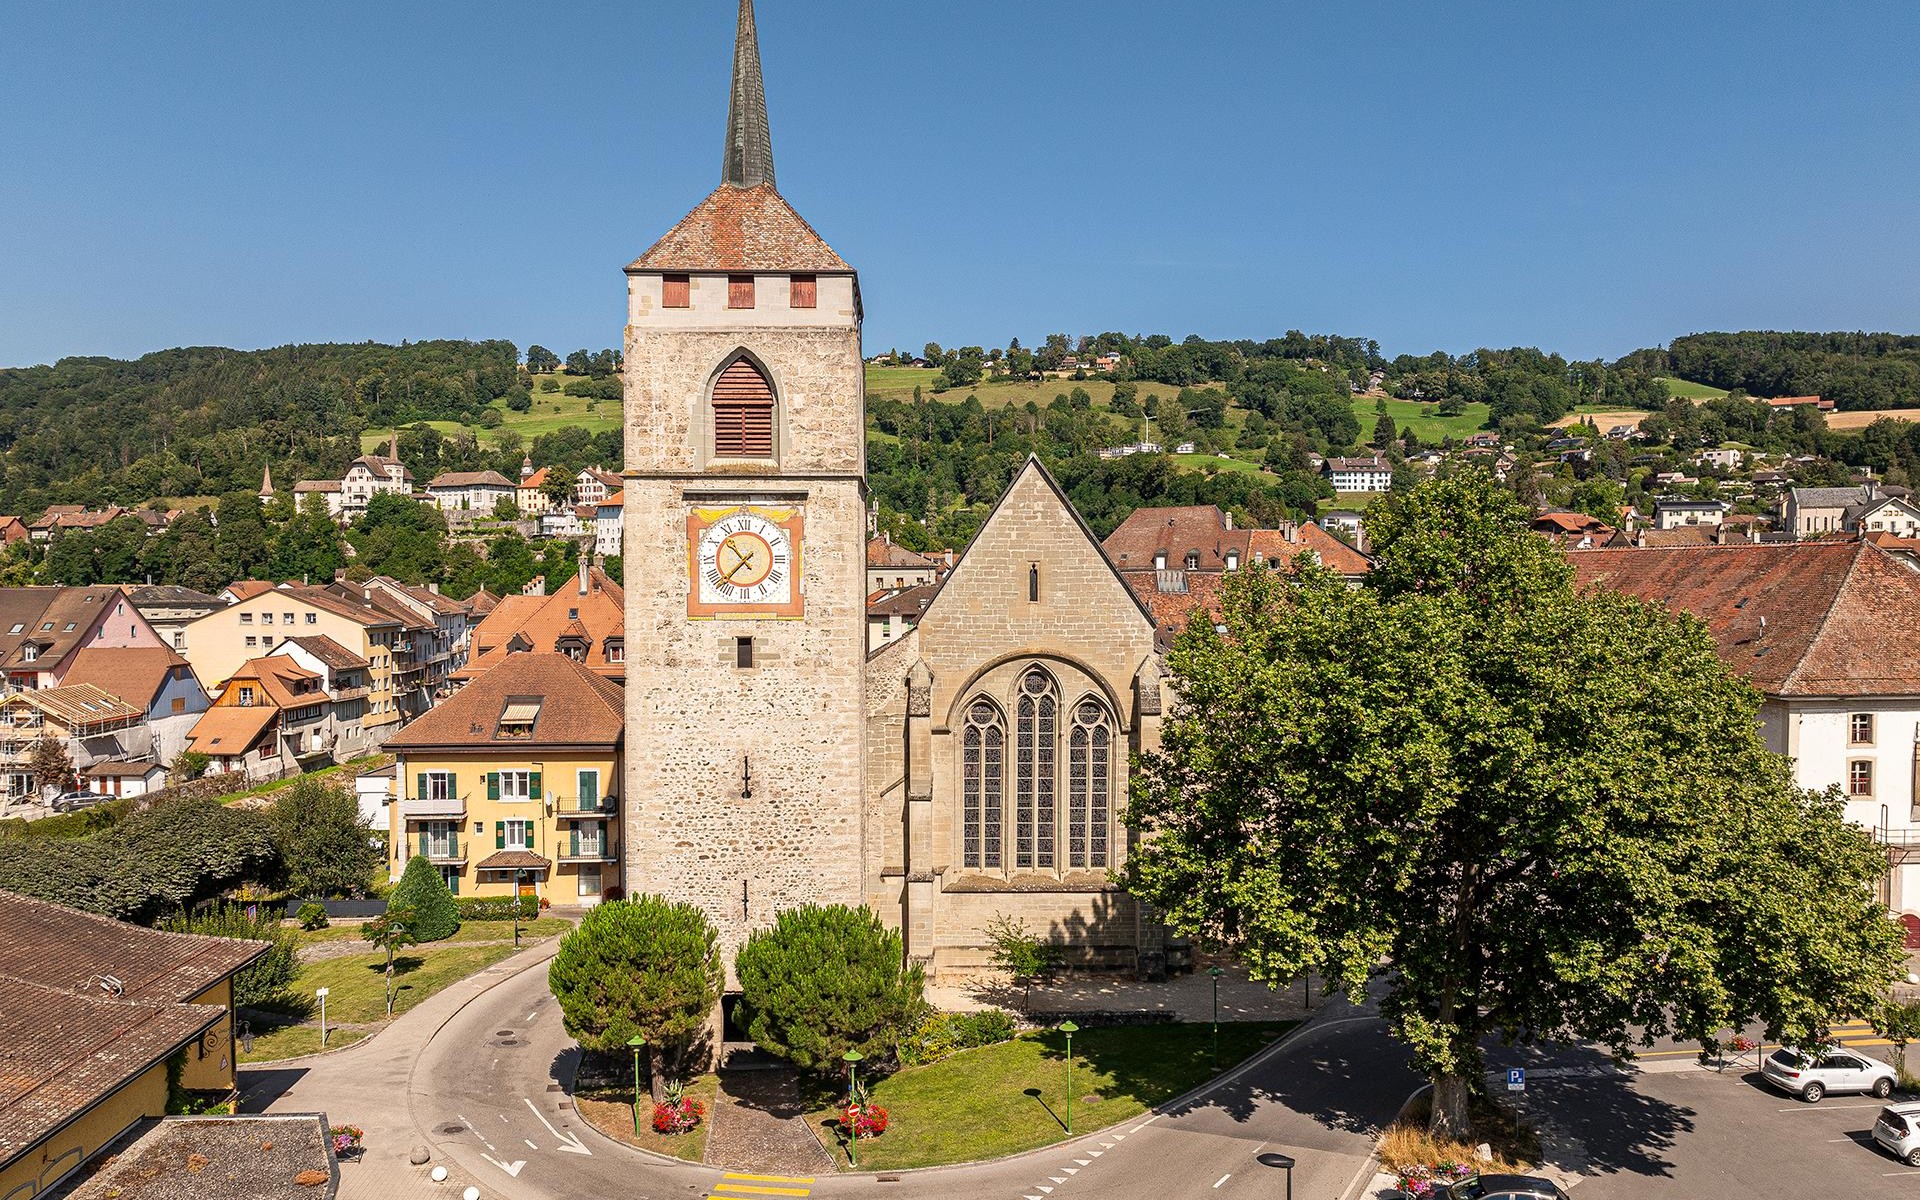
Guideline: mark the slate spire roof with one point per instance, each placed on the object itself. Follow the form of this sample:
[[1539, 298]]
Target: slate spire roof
[[749, 151]]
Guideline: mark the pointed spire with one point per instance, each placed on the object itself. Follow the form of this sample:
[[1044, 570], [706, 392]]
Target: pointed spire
[[266, 482], [749, 161]]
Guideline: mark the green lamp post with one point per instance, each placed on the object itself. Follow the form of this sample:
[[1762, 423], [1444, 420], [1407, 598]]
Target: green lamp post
[[1069, 1028], [1215, 972], [636, 1042], [853, 1058]]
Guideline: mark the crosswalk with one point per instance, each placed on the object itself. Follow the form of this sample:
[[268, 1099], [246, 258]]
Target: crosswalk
[[735, 1183], [1858, 1034]]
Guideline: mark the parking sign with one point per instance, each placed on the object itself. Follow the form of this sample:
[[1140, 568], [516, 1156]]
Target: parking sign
[[1516, 1079]]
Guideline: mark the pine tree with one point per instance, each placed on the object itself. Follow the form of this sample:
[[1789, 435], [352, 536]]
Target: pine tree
[[825, 980], [422, 892]]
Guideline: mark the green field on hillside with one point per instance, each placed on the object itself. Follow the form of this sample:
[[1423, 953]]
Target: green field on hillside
[[1420, 416], [550, 411], [1690, 391]]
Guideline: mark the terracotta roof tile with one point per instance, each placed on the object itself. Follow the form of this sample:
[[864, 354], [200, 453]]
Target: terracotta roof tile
[[134, 673], [746, 230], [229, 731], [1838, 616], [883, 552], [59, 947], [330, 653], [541, 621], [577, 707], [509, 860]]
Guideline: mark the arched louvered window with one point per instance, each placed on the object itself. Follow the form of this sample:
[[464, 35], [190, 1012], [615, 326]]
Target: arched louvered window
[[742, 412], [982, 786], [1089, 782], [1036, 741]]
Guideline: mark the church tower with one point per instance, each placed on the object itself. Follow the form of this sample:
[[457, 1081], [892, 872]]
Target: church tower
[[744, 549]]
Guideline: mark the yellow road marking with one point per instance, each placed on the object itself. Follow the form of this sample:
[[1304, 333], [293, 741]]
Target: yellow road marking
[[749, 1189], [768, 1178]]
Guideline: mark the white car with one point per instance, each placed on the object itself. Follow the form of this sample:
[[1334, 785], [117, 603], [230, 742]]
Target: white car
[[1898, 1131], [1809, 1076]]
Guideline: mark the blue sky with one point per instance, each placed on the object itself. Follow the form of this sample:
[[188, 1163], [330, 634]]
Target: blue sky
[[1584, 176]]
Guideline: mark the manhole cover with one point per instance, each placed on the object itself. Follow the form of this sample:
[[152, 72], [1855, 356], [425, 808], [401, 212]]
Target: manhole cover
[[451, 1129], [503, 1033], [508, 1042]]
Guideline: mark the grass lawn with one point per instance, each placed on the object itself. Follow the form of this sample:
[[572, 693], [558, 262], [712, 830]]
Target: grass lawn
[[550, 411], [1003, 1099], [610, 1110], [1421, 416], [1689, 391], [1201, 462], [352, 765], [292, 1041]]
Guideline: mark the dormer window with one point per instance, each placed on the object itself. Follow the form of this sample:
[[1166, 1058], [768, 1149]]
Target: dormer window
[[676, 291], [1160, 560], [739, 291], [1233, 560], [517, 719], [616, 650], [805, 292], [574, 648], [1193, 560]]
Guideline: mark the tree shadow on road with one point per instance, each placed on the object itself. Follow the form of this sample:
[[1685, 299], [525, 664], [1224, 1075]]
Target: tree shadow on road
[[1581, 1094]]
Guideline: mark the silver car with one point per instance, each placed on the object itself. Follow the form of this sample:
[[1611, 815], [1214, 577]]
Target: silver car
[[1898, 1132], [1810, 1076]]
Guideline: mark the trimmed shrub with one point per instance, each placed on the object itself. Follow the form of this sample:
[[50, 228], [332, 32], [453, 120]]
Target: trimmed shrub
[[499, 908], [422, 892], [941, 1034], [825, 980], [312, 916]]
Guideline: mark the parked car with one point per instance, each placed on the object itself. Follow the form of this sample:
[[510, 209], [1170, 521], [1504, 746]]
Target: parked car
[[1810, 1076], [1898, 1130], [1502, 1187], [68, 801]]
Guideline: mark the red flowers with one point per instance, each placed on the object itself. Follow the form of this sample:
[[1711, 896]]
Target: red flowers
[[677, 1116], [864, 1120]]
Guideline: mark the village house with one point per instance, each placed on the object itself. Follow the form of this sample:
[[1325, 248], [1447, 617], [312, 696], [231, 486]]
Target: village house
[[90, 725], [1808, 512], [170, 609], [276, 715], [98, 1010], [585, 621], [592, 485], [891, 566], [1373, 474], [368, 476], [512, 784], [894, 611], [1822, 629], [1673, 512], [465, 495], [42, 628], [530, 493], [155, 680], [608, 526]]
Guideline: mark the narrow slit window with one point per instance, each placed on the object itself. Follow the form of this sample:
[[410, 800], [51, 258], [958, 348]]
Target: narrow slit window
[[1033, 583], [742, 412], [739, 291], [805, 292], [743, 653], [676, 291]]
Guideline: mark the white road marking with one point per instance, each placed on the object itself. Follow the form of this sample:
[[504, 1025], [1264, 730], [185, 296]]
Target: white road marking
[[512, 1169], [1106, 1145], [529, 1142], [1893, 1174], [1824, 1107], [1095, 1153], [1056, 1179], [1221, 1180], [569, 1143], [1071, 1170], [532, 1015], [1083, 1162]]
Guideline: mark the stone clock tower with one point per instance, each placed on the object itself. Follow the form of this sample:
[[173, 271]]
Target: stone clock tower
[[744, 550]]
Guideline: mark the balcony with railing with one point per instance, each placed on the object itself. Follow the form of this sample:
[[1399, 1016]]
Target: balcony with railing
[[585, 846], [586, 807], [434, 808]]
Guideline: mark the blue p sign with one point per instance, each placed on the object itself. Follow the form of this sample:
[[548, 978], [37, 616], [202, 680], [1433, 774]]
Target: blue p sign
[[1516, 1079]]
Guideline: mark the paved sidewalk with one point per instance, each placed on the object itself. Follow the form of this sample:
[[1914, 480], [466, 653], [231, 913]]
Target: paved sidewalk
[[760, 1124], [368, 1084]]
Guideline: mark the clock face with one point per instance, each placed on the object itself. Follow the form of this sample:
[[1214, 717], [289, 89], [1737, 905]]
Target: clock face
[[745, 563]]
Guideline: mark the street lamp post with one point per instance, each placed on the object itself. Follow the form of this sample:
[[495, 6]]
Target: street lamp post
[[635, 1043], [1069, 1028], [516, 908], [852, 1059], [1283, 1162], [321, 995], [1215, 972]]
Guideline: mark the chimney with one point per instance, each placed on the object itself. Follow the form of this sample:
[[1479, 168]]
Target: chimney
[[585, 562], [1229, 516]]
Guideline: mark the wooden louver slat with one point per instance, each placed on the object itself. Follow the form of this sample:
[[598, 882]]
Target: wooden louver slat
[[742, 412]]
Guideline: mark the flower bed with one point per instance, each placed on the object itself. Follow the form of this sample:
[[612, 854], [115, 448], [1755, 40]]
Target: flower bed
[[346, 1140], [678, 1116], [1424, 1180], [864, 1120]]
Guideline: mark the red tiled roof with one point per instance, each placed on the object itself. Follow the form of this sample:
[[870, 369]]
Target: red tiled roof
[[884, 552], [542, 620], [133, 673], [577, 707], [59, 947], [1838, 616], [742, 229], [229, 731], [1174, 531]]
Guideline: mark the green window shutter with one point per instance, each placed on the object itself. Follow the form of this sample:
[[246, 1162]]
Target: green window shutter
[[422, 793], [453, 883], [493, 785], [533, 785], [575, 842], [453, 843], [589, 790], [453, 787], [499, 835], [529, 835], [423, 843]]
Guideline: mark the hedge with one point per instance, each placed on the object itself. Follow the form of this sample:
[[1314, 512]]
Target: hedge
[[499, 909]]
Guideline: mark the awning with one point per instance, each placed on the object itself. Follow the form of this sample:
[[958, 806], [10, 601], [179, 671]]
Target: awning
[[513, 860], [520, 712]]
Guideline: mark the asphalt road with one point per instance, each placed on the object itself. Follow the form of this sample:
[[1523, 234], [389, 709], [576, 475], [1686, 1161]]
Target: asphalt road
[[486, 1092]]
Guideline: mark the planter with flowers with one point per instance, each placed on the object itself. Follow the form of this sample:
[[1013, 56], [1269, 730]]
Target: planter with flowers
[[347, 1140], [678, 1113], [865, 1120], [1422, 1181]]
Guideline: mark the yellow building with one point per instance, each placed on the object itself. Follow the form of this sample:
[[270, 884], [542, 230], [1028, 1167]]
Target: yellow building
[[513, 782], [92, 1011], [221, 642]]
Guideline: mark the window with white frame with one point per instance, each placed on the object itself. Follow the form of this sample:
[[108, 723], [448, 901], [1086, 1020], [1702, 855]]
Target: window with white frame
[[1860, 729], [520, 834], [1860, 777], [439, 785], [516, 785]]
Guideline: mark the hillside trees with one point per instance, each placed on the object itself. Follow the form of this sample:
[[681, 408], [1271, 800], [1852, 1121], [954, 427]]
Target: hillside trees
[[1552, 812]]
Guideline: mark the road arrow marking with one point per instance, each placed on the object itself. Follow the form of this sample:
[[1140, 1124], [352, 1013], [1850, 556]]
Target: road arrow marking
[[1071, 1170], [1083, 1162], [512, 1168], [569, 1143]]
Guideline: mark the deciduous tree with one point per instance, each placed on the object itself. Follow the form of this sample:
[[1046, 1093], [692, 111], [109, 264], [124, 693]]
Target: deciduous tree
[[324, 842], [1553, 812]]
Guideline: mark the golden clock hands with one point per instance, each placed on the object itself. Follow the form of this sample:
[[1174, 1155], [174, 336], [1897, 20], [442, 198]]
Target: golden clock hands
[[742, 561]]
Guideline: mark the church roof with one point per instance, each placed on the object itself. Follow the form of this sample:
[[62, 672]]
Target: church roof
[[746, 230], [749, 149]]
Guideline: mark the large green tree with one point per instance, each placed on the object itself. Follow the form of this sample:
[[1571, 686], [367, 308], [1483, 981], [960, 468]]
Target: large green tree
[[826, 979], [422, 894], [325, 844], [643, 967], [1551, 811]]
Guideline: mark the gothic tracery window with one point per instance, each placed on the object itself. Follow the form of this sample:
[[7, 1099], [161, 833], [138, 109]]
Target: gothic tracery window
[[1036, 739], [983, 768], [1089, 780]]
